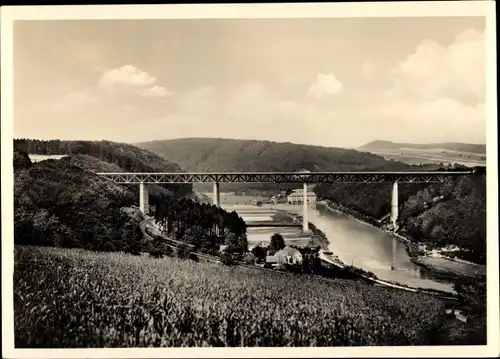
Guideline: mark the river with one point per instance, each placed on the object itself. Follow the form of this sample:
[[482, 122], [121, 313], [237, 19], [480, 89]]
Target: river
[[354, 242]]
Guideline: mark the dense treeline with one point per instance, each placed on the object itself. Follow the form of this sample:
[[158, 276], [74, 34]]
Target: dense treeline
[[127, 157], [58, 204], [372, 200], [451, 213], [212, 155], [204, 226], [63, 203]]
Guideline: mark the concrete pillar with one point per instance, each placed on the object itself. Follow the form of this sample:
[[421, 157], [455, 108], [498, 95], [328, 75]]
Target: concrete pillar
[[144, 198], [305, 220], [394, 205], [393, 266], [216, 198]]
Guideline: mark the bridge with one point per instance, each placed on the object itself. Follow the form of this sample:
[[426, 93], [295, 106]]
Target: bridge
[[304, 177]]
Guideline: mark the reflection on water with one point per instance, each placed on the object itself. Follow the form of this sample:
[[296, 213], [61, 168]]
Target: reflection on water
[[355, 243]]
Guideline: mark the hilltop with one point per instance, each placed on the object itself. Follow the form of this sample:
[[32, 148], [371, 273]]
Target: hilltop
[[451, 146], [465, 154], [220, 154]]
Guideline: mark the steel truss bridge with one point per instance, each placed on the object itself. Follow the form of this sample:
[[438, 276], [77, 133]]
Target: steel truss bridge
[[303, 177], [284, 177]]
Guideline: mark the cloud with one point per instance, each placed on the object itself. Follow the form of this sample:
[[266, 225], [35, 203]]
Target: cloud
[[325, 85], [155, 91], [75, 100], [129, 78], [435, 71]]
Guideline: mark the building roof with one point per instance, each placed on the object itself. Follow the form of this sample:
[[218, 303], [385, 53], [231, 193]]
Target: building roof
[[287, 251], [309, 194], [272, 259], [249, 255]]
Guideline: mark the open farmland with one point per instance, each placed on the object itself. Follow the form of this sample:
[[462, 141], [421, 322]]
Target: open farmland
[[78, 298]]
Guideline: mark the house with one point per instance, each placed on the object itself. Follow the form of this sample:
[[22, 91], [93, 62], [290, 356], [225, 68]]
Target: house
[[272, 260], [297, 197], [289, 255]]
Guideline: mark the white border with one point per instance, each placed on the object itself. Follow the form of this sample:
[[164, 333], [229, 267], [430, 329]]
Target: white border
[[310, 10]]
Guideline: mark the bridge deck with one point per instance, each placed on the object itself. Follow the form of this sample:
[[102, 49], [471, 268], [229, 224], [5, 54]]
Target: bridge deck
[[284, 177]]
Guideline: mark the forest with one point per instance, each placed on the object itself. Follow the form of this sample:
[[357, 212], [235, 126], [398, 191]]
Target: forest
[[214, 154], [204, 226], [63, 203], [449, 213], [107, 156]]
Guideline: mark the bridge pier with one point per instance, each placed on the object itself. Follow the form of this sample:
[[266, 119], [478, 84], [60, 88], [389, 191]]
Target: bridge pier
[[394, 205], [393, 266], [144, 198], [305, 220], [216, 199]]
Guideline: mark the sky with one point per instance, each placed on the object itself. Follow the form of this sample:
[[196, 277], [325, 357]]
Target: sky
[[338, 82]]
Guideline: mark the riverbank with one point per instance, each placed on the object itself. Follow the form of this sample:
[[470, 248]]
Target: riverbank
[[318, 238], [442, 266], [331, 259]]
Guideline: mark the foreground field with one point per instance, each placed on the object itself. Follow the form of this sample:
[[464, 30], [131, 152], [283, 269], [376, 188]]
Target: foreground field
[[76, 298]]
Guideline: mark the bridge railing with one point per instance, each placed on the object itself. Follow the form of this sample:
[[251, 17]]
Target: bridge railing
[[284, 177]]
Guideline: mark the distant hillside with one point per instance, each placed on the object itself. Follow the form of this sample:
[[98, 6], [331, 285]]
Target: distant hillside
[[215, 154], [376, 146]]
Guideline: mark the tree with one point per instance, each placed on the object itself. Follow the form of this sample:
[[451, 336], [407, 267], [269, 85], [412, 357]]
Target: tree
[[472, 294], [21, 160], [277, 242], [227, 259], [182, 252], [259, 252]]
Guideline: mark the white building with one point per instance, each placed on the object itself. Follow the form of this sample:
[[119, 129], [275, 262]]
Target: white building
[[296, 197]]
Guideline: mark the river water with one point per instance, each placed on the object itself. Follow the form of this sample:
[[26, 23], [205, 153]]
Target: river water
[[354, 242]]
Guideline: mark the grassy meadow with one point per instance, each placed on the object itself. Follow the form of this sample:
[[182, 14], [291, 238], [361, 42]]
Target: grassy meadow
[[66, 298]]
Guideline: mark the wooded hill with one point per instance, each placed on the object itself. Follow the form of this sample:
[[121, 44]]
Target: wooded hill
[[107, 156], [64, 203], [216, 154]]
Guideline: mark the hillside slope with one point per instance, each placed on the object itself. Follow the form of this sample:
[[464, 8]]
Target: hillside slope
[[59, 204], [107, 156], [451, 146], [217, 154], [64, 203], [203, 304]]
